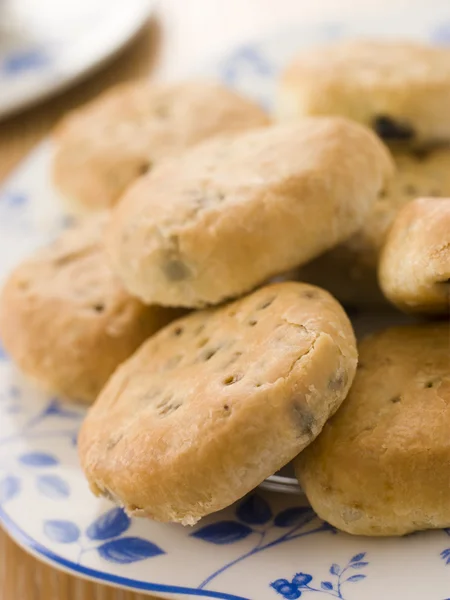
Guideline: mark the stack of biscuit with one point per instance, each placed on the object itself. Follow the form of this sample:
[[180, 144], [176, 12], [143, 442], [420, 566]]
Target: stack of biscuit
[[380, 466], [204, 376], [402, 91]]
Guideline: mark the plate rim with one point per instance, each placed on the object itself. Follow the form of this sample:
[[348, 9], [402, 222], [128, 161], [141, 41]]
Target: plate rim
[[50, 87], [40, 552]]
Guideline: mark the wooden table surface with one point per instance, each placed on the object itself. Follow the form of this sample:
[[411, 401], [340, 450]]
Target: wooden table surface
[[181, 35]]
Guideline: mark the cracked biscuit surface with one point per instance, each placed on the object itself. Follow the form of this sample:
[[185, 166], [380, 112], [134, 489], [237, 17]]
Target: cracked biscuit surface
[[235, 211], [217, 401], [414, 270], [381, 464], [400, 89], [104, 146], [66, 319]]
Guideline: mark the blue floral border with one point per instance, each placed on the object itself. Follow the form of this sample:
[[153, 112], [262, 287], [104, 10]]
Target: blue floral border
[[26, 541]]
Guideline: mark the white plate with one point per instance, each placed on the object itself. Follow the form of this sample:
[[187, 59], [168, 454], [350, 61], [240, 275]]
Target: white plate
[[46, 45], [266, 547]]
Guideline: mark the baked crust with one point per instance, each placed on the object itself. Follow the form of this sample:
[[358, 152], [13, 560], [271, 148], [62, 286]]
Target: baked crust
[[235, 211], [217, 401], [414, 269], [107, 144], [349, 271], [381, 464], [66, 319], [401, 89]]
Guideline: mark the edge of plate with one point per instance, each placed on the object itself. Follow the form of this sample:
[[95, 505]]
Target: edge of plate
[[27, 543], [53, 86]]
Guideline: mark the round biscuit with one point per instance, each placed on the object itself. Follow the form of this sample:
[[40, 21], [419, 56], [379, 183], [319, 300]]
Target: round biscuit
[[66, 319], [399, 88], [217, 401], [104, 146], [414, 269], [381, 464], [235, 211]]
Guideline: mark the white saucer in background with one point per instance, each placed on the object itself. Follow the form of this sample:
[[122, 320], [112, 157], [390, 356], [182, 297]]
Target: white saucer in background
[[46, 45]]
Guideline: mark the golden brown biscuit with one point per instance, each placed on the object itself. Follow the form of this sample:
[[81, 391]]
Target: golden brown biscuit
[[381, 464], [66, 319], [414, 269], [401, 89], [105, 145], [234, 211], [349, 270], [217, 401]]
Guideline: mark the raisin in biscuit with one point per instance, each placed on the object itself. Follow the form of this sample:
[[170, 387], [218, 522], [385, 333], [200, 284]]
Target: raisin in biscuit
[[401, 89], [349, 270], [234, 211], [66, 319], [381, 464], [414, 269], [105, 145], [217, 401]]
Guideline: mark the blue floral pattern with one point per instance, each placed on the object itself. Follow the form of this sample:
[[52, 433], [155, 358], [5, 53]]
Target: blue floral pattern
[[36, 464], [108, 528], [302, 583], [53, 486], [61, 531], [255, 518], [9, 488], [441, 35], [3, 355], [24, 60], [245, 58], [445, 554], [12, 205]]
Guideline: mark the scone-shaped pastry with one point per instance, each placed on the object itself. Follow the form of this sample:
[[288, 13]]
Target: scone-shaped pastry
[[381, 464], [414, 269], [349, 270], [104, 146], [234, 211], [217, 401], [401, 89], [66, 319]]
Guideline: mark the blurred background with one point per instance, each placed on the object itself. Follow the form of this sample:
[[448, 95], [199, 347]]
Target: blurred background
[[55, 55]]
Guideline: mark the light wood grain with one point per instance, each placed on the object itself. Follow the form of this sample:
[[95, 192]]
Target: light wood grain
[[22, 577]]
